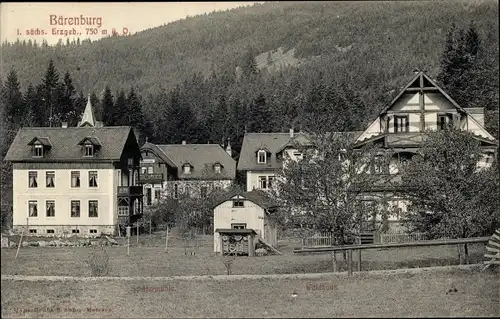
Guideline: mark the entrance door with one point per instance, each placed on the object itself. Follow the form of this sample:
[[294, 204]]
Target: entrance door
[[148, 196]]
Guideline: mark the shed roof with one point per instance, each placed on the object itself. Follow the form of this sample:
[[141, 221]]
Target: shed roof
[[256, 196]]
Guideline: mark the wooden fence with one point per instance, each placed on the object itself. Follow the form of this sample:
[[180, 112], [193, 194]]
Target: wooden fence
[[389, 238], [349, 248], [318, 240]]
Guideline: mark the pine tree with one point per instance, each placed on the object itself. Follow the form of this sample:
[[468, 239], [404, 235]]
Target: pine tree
[[108, 108], [50, 90], [34, 111], [134, 110], [458, 60], [121, 117], [96, 106], [13, 99], [258, 116], [68, 103]]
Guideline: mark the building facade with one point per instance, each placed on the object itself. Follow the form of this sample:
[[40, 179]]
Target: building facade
[[264, 154], [248, 210], [75, 180], [421, 106], [185, 170]]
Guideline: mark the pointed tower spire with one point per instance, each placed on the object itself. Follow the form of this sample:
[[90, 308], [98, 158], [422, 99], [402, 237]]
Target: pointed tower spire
[[88, 114], [228, 148]]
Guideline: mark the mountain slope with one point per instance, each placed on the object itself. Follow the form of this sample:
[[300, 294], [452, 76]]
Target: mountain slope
[[374, 41]]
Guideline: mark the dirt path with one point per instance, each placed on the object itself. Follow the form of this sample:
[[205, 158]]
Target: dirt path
[[241, 277]]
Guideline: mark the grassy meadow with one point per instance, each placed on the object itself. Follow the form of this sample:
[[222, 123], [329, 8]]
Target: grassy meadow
[[150, 259], [424, 294]]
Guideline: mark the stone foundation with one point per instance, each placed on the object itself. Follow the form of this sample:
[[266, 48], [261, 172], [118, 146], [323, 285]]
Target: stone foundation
[[66, 231]]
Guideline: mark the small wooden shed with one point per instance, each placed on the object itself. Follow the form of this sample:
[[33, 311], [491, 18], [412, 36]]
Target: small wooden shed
[[246, 211]]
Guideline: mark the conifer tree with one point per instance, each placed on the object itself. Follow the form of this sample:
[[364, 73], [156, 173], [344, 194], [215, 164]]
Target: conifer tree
[[121, 108], [13, 99], [108, 108]]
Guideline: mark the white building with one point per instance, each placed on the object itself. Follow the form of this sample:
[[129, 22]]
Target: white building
[[75, 180], [264, 154], [248, 210]]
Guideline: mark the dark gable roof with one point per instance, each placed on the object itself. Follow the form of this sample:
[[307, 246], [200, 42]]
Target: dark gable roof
[[93, 140], [274, 143], [202, 158], [156, 150], [256, 196], [65, 143], [43, 140]]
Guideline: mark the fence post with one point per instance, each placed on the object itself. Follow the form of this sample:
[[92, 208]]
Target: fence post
[[359, 259], [334, 261], [349, 262]]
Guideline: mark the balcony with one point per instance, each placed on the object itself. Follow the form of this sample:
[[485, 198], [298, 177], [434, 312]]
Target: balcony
[[413, 139], [129, 191], [151, 178]]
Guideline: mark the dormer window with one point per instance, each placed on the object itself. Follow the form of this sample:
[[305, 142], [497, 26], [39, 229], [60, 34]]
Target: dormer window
[[217, 168], [262, 157], [89, 150], [186, 168], [90, 146], [40, 145], [38, 150]]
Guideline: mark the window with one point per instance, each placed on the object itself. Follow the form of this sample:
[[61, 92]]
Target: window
[[75, 179], [265, 182], [378, 167], [262, 157], [238, 203], [401, 124], [143, 170], [444, 121], [75, 231], [75, 208], [51, 208], [32, 231], [32, 208], [33, 179], [122, 210], [150, 169], [217, 168], [157, 193], [187, 169], [93, 231], [203, 191], [92, 179], [38, 150], [130, 162], [89, 150], [50, 179], [176, 190], [93, 208], [50, 231], [238, 226]]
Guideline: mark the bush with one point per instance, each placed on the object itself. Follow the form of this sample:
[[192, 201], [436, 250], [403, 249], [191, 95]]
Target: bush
[[99, 262]]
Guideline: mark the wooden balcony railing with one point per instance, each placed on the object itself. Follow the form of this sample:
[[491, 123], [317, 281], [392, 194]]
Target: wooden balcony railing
[[130, 191], [151, 178]]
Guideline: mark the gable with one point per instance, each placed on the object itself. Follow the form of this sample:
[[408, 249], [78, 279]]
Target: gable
[[421, 96]]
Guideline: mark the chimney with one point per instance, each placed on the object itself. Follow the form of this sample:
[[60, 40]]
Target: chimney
[[229, 151], [64, 125], [183, 142], [291, 132]]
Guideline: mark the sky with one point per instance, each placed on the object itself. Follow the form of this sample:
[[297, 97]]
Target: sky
[[54, 21]]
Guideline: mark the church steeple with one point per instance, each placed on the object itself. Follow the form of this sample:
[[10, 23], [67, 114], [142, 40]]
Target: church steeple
[[88, 115]]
